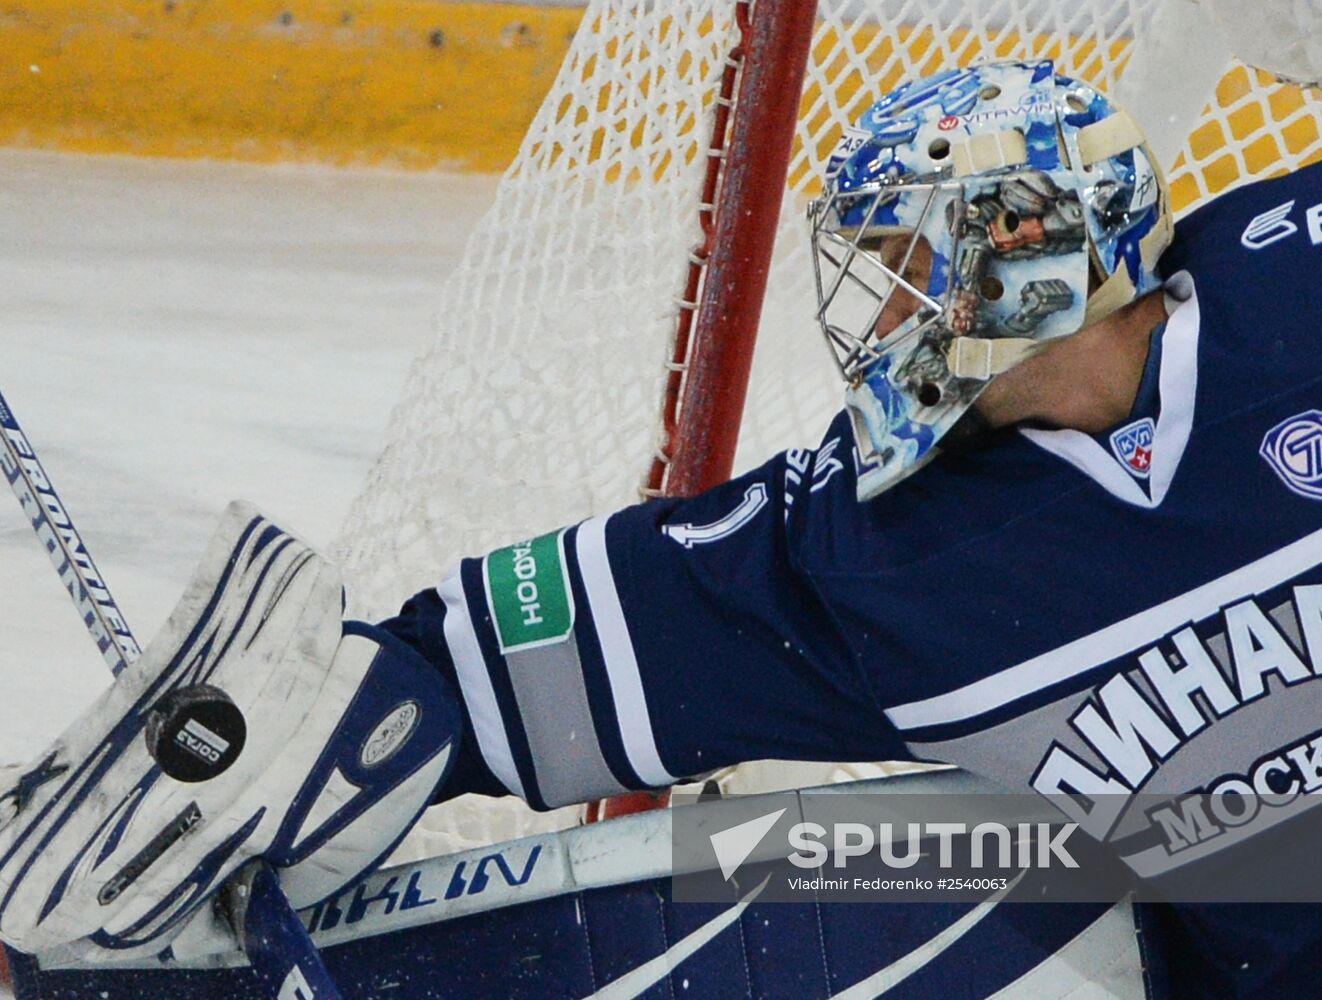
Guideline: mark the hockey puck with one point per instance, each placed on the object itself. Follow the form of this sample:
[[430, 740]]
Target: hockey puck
[[195, 733]]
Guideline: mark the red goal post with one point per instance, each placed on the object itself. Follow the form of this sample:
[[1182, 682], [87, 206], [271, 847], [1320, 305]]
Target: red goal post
[[719, 314], [727, 278]]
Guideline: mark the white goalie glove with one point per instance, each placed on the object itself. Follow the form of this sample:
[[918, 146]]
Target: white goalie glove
[[256, 724]]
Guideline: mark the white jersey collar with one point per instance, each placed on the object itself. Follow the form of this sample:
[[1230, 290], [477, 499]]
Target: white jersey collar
[[1178, 387]]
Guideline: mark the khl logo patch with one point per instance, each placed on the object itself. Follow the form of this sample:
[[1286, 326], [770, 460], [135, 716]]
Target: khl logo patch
[[1293, 448], [1132, 444]]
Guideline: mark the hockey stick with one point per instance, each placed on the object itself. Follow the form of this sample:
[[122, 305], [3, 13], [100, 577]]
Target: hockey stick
[[278, 946], [56, 533]]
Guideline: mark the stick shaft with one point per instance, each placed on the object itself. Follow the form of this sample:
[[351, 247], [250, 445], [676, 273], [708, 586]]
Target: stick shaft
[[272, 936], [58, 536]]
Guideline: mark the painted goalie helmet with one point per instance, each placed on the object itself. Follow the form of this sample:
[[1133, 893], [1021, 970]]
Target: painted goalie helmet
[[1041, 210]]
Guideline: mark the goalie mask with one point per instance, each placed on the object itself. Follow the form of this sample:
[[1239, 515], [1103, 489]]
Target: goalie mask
[[1041, 211]]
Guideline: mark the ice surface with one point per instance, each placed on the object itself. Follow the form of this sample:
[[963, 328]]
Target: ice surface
[[179, 334]]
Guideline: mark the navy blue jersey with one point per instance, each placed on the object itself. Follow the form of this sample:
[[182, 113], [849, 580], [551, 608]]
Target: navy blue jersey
[[1139, 610]]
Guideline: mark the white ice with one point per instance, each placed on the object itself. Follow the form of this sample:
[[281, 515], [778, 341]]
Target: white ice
[[176, 335]]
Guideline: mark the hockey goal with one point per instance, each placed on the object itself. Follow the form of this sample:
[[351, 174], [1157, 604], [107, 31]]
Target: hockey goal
[[677, 143]]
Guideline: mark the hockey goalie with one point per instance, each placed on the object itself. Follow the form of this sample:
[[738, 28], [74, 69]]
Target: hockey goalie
[[1066, 534]]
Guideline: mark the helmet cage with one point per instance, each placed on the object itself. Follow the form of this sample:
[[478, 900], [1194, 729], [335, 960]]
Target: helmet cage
[[856, 346]]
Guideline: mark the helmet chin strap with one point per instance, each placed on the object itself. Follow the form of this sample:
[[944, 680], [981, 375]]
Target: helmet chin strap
[[981, 357], [1114, 293]]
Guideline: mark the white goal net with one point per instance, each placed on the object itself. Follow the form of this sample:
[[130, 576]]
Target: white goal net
[[536, 404]]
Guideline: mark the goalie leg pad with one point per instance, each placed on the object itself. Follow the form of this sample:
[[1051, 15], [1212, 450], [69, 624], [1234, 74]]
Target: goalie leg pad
[[346, 735]]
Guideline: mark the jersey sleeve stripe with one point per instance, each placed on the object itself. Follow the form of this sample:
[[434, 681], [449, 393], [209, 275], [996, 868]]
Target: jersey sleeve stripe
[[618, 653], [475, 684], [1118, 639], [562, 738]]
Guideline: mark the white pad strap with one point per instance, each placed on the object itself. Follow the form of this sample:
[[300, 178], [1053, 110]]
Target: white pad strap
[[1109, 137], [981, 358], [1115, 292], [990, 151]]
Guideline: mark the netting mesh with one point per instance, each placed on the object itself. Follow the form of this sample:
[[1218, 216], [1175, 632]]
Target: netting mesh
[[536, 404]]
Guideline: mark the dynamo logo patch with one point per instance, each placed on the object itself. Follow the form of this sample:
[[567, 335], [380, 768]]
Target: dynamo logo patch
[[1132, 444], [1293, 449]]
